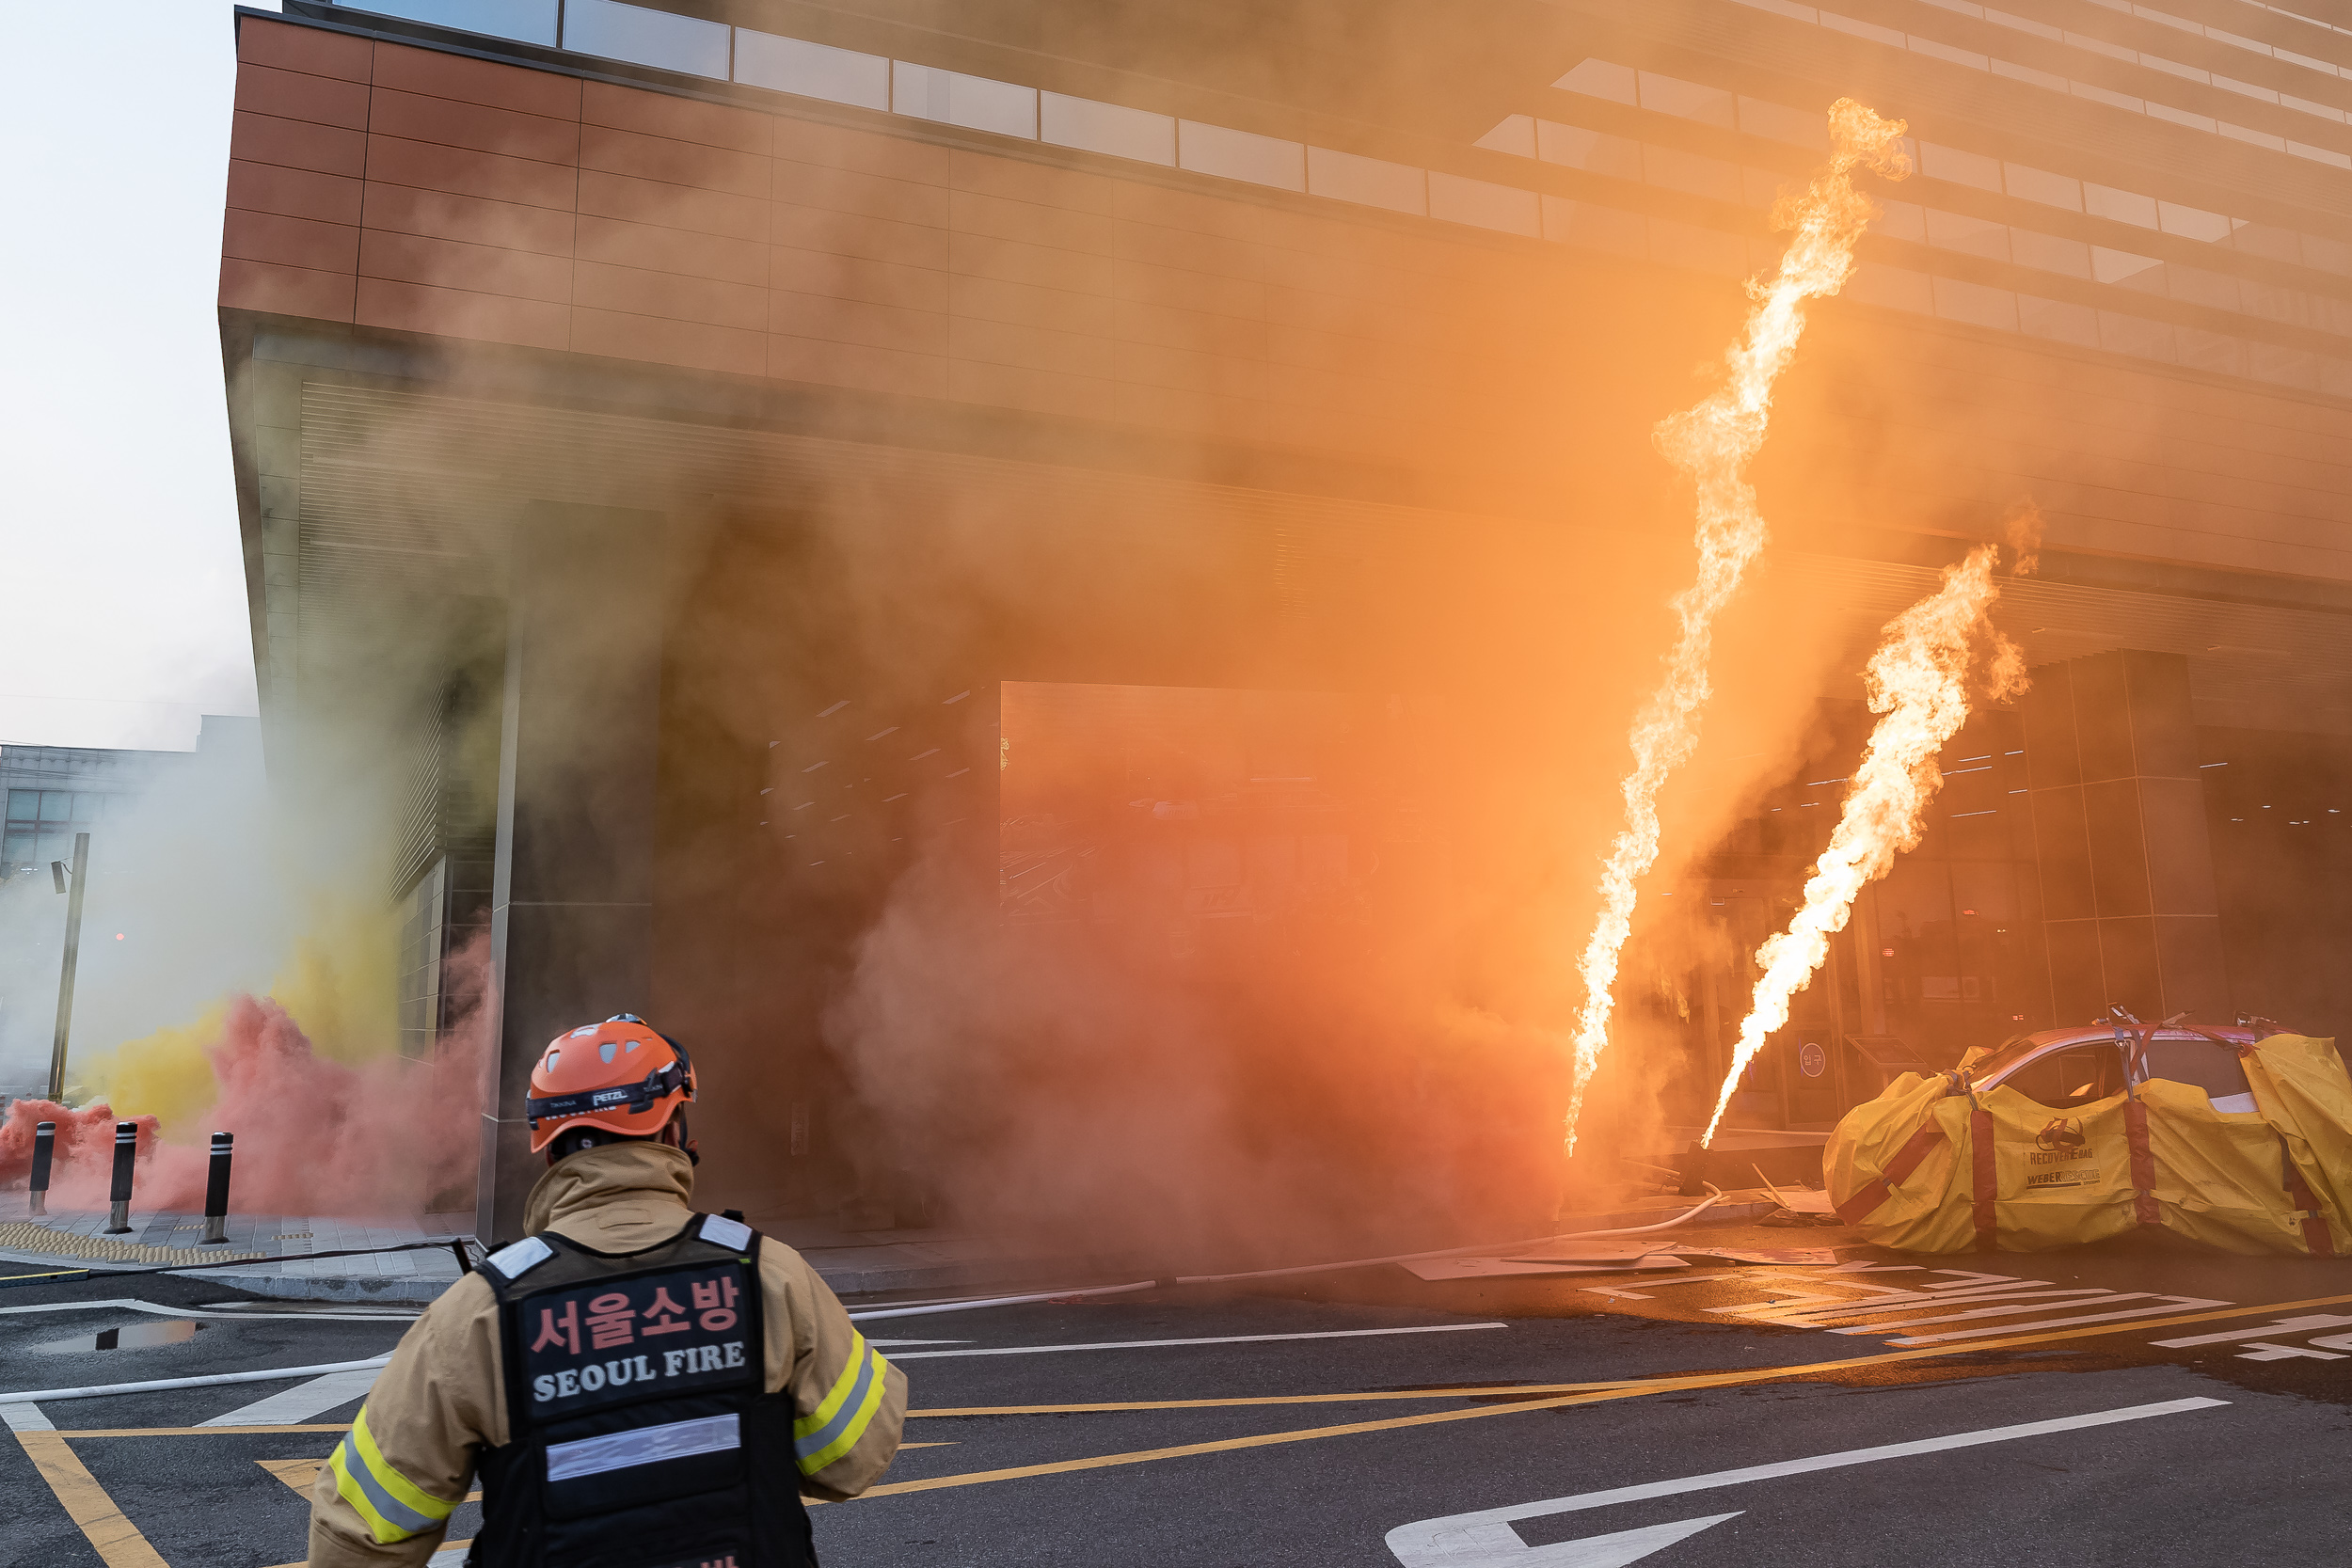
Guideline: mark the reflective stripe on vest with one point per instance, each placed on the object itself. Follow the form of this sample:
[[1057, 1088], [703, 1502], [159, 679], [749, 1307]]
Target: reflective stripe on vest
[[618, 1450]]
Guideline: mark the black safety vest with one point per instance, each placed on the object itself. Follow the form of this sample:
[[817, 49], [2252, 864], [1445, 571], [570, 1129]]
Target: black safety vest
[[639, 1432]]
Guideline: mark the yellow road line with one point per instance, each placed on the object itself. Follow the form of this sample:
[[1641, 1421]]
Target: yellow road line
[[299, 1474], [120, 1544], [1488, 1391], [1638, 1386], [200, 1431], [116, 1540], [1655, 1385]]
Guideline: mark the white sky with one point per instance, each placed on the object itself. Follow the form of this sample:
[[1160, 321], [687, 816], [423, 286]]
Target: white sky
[[121, 573]]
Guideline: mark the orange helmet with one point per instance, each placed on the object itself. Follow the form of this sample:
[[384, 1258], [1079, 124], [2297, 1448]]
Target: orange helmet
[[622, 1076]]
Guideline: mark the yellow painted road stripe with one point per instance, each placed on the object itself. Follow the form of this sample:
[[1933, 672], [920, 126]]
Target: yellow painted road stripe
[[1496, 1391], [1507, 1390], [1655, 1385], [116, 1540], [1638, 1386], [198, 1432], [120, 1545]]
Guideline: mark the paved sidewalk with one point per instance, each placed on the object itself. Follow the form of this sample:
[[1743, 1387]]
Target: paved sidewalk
[[274, 1252]]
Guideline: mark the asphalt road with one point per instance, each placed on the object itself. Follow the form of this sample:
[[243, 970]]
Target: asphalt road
[[2016, 1410]]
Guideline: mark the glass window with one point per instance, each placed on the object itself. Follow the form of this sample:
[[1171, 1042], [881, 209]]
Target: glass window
[[2070, 1076], [647, 37], [56, 806], [24, 804], [421, 938], [526, 21], [2196, 1061]]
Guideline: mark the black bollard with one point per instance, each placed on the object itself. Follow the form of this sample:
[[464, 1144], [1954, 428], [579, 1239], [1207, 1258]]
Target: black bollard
[[44, 1149], [216, 1192], [126, 1150]]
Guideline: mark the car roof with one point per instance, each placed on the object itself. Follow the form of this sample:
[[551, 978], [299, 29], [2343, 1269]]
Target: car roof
[[2086, 1034]]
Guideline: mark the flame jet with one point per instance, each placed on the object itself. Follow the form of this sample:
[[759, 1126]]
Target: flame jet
[[1713, 443], [1919, 680]]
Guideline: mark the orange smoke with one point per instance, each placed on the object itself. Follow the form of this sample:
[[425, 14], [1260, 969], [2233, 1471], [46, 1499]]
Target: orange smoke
[[1713, 443], [1918, 679]]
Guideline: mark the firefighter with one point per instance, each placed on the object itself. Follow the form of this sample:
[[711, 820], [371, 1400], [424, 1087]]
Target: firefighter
[[632, 1382]]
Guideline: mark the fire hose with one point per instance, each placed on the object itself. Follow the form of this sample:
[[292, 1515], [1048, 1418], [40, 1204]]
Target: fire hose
[[927, 1309], [918, 1309]]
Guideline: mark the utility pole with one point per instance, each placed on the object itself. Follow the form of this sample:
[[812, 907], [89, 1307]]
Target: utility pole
[[73, 951]]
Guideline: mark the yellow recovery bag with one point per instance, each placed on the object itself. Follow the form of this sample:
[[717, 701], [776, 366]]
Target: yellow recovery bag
[[1933, 1164]]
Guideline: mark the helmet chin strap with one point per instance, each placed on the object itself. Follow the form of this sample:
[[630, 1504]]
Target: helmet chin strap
[[679, 1137], [673, 1134]]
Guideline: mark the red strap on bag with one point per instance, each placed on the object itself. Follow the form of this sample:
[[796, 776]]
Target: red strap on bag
[[2316, 1240], [2144, 1208], [1988, 1179], [1867, 1198], [2134, 1038]]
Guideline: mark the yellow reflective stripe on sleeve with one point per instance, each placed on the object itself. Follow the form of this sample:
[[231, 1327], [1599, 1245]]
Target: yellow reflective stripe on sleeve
[[394, 1507], [838, 1395], [833, 1428]]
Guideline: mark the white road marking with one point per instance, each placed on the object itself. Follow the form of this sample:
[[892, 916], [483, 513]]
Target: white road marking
[[130, 1305], [927, 1309], [210, 1380], [1972, 1294], [289, 1406], [2164, 1306], [2284, 1325], [1495, 1268], [1484, 1539], [2020, 1301], [25, 1418], [2258, 1350], [886, 1344], [1220, 1339], [1500, 1543]]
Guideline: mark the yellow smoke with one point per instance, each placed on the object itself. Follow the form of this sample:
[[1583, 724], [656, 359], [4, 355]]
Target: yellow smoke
[[338, 985], [1919, 680], [1713, 443]]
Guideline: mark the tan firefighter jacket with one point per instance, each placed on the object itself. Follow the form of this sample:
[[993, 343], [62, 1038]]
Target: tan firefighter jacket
[[386, 1495]]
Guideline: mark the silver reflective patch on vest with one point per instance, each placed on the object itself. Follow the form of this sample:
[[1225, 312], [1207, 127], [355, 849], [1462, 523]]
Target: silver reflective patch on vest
[[519, 1257], [722, 1231], [618, 1450]]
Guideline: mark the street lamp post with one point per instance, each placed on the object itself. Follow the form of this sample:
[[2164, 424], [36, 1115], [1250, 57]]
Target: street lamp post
[[73, 951]]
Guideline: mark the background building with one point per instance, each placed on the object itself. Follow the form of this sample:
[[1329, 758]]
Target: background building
[[55, 792], [730, 442], [51, 794]]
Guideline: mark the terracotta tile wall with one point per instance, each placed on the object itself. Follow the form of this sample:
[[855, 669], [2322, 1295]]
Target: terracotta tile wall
[[393, 186]]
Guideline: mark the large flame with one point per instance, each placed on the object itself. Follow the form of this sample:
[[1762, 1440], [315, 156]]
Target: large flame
[[1713, 443], [1919, 680]]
